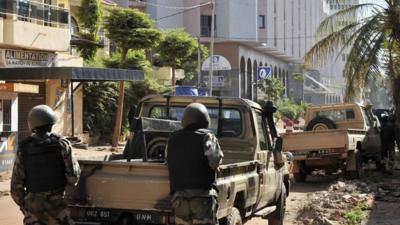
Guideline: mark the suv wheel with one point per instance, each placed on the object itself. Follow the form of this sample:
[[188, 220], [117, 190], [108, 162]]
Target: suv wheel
[[320, 123], [234, 217], [277, 217]]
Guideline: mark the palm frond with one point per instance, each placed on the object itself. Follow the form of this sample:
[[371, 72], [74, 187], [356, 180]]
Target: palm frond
[[368, 27], [363, 62], [326, 47], [339, 19]]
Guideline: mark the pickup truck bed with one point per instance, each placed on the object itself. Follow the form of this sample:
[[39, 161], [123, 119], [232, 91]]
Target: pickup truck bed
[[148, 185], [340, 140], [323, 149]]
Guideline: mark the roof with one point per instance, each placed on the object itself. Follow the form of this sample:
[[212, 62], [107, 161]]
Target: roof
[[70, 73], [338, 105]]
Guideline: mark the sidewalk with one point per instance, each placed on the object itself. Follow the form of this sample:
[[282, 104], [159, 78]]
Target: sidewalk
[[9, 211]]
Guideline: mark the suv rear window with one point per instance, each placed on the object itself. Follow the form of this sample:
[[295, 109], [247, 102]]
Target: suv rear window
[[337, 115], [231, 118]]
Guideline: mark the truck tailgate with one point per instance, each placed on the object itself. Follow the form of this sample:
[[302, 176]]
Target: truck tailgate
[[122, 185], [314, 140]]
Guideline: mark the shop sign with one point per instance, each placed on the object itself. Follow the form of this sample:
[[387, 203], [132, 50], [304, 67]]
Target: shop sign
[[218, 62], [17, 87], [20, 58]]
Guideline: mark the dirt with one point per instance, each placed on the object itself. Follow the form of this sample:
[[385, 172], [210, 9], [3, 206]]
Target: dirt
[[384, 208]]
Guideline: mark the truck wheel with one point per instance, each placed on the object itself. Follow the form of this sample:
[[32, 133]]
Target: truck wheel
[[277, 217], [234, 217], [300, 177], [320, 123]]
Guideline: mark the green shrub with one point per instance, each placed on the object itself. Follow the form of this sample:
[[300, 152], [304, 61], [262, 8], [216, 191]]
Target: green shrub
[[355, 216]]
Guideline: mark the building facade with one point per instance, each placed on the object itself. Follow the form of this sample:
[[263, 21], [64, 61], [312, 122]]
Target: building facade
[[37, 34], [250, 34]]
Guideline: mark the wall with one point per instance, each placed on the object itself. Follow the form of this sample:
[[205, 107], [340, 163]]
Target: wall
[[58, 98], [237, 19], [30, 35]]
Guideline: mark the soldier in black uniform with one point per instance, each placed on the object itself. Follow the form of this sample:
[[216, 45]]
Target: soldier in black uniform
[[43, 166], [193, 156], [388, 138]]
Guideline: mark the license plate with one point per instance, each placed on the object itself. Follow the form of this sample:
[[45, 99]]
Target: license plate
[[147, 217], [98, 214]]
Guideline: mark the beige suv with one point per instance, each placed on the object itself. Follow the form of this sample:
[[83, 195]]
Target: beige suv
[[336, 136]]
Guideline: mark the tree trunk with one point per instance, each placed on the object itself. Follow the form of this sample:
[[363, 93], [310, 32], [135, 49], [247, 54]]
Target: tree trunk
[[173, 76], [120, 109]]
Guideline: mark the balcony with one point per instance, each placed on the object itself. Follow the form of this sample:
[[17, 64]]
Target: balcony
[[34, 24]]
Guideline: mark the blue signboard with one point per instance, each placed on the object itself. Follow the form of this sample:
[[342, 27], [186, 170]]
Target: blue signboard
[[264, 72]]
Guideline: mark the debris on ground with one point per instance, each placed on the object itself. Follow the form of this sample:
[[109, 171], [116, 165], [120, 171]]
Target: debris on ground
[[346, 202]]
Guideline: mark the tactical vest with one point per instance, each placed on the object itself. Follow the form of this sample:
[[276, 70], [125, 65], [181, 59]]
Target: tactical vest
[[188, 166], [44, 164]]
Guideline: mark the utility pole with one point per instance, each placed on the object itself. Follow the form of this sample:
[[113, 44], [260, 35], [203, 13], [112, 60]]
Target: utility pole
[[212, 45], [198, 63]]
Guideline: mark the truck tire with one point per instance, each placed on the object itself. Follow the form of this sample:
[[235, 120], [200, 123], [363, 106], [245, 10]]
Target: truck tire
[[234, 217], [320, 123], [277, 217], [359, 172]]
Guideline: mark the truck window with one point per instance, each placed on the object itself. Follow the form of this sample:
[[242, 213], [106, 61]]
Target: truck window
[[367, 117], [334, 115], [350, 115], [261, 132], [231, 118]]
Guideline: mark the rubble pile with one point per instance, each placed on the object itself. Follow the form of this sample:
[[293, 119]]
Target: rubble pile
[[329, 207]]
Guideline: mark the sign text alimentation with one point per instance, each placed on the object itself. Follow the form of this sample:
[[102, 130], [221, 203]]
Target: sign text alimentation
[[15, 58]]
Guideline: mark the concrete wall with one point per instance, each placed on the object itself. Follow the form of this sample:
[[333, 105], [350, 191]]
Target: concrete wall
[[237, 19], [30, 35], [58, 98]]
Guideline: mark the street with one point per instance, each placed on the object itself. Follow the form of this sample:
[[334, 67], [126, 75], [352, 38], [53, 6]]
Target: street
[[383, 212]]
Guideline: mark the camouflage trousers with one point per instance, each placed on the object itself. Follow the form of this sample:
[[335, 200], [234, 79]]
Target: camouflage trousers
[[46, 209], [195, 210]]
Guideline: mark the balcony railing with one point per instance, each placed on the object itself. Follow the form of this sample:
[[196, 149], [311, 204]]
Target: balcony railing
[[35, 11]]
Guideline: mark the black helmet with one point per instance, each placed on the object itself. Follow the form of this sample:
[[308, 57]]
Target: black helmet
[[41, 115], [196, 114]]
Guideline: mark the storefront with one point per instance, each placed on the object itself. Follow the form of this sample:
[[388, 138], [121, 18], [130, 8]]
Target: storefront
[[9, 120]]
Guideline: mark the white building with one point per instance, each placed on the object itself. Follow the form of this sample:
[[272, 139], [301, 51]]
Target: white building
[[249, 34], [332, 73]]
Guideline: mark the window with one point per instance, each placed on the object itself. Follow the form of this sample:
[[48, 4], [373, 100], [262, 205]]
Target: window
[[231, 118], [261, 132], [350, 115], [74, 26], [337, 115], [261, 21], [5, 115], [205, 24], [43, 12], [367, 117], [343, 57]]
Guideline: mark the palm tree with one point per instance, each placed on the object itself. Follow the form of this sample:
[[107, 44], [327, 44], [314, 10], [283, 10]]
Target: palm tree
[[372, 33]]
